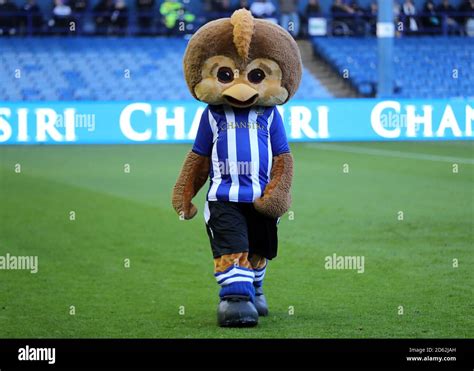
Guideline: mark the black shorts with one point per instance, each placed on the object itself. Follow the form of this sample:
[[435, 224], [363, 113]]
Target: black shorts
[[235, 227]]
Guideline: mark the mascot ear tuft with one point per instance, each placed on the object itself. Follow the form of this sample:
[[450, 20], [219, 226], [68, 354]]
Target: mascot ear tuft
[[243, 23]]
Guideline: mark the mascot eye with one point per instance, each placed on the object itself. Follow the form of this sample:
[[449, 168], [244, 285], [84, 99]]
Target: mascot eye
[[225, 75], [256, 76]]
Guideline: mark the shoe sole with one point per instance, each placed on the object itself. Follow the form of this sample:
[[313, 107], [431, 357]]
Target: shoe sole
[[241, 322]]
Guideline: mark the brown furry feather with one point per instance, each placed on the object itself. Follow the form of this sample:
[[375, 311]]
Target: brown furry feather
[[242, 20]]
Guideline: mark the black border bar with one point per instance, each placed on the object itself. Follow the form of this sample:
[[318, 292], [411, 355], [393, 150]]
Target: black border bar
[[86, 354]]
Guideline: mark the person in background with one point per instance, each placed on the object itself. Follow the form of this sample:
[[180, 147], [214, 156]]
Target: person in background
[[360, 26], [343, 17], [409, 13], [9, 17], [242, 4], [223, 7], [467, 11], [263, 9], [467, 17], [371, 15], [446, 7], [339, 7], [467, 8], [62, 17], [145, 13], [31, 17], [446, 12], [119, 17], [102, 12], [170, 10], [340, 10], [174, 12], [215, 9], [313, 9], [430, 19], [290, 19], [78, 6], [397, 11], [356, 7]]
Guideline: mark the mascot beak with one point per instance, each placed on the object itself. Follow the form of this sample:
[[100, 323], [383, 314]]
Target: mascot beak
[[240, 95]]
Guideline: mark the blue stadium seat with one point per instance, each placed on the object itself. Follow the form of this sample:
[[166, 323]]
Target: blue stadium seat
[[425, 67], [106, 69]]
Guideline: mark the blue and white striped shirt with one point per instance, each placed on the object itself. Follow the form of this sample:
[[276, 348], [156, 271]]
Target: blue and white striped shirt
[[241, 143]]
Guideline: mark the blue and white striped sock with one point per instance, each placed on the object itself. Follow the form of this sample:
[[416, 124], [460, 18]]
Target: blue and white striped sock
[[236, 280], [259, 276]]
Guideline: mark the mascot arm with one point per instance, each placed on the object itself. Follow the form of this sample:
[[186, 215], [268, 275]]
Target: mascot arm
[[193, 176], [276, 199]]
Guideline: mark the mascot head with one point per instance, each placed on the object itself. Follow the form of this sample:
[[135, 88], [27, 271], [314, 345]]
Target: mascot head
[[242, 61]]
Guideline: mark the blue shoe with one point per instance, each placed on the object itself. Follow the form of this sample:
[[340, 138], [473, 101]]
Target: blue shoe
[[236, 311], [261, 302]]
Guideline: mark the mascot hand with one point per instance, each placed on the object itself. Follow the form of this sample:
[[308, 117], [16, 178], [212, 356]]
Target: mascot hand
[[192, 177], [185, 211], [276, 199]]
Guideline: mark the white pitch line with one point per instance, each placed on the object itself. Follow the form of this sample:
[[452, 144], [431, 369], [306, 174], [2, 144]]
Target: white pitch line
[[389, 153]]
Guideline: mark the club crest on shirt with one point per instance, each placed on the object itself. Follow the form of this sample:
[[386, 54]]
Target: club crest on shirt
[[260, 110]]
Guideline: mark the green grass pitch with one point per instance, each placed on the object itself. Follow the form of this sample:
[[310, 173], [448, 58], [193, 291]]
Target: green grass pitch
[[408, 263]]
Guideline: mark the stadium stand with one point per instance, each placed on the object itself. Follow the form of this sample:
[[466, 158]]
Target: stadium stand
[[160, 16], [90, 62], [197, 6], [99, 68], [425, 67]]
